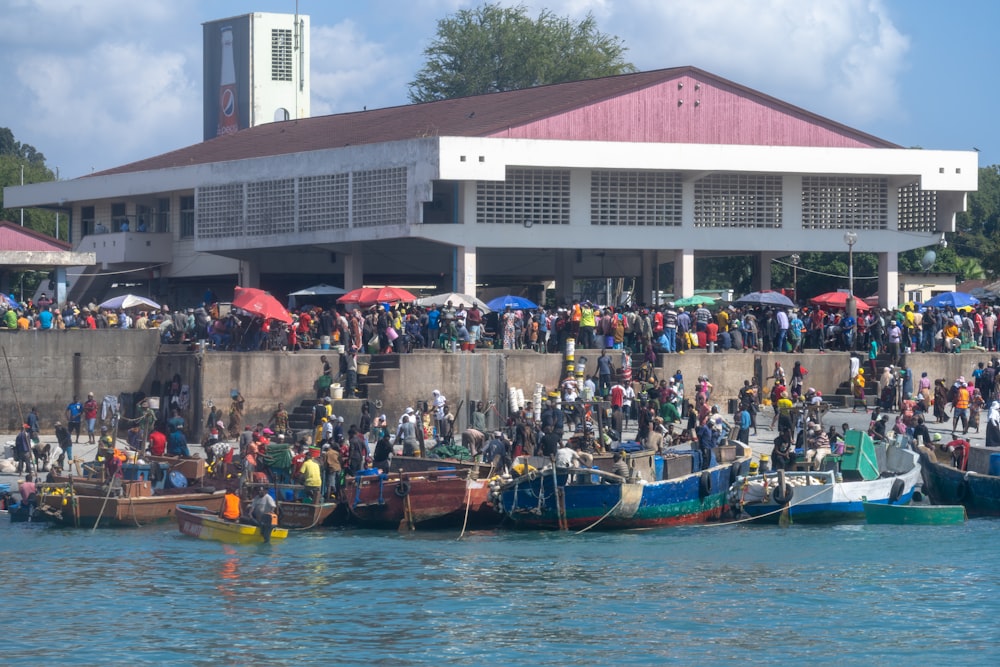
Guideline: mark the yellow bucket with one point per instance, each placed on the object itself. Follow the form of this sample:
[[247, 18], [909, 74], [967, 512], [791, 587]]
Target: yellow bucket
[[362, 368]]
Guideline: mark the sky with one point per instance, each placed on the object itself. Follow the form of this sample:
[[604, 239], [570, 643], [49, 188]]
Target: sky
[[94, 84]]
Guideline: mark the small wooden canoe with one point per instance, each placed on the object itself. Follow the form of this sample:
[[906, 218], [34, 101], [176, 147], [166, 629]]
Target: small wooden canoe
[[205, 525], [914, 515]]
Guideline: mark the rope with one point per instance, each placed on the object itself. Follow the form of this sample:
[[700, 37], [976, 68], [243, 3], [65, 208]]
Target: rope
[[755, 518], [468, 497], [617, 505]]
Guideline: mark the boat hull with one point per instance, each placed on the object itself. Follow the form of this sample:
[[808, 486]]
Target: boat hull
[[914, 515], [431, 499], [205, 526], [944, 485], [533, 501], [120, 511], [818, 498]]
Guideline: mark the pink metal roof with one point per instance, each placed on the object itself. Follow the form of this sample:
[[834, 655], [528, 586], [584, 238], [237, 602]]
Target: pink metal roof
[[640, 107], [16, 237]]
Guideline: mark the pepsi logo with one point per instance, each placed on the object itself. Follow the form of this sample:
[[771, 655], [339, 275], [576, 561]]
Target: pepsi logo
[[228, 102]]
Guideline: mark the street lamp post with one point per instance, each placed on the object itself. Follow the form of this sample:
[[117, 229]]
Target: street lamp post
[[850, 238], [795, 275]]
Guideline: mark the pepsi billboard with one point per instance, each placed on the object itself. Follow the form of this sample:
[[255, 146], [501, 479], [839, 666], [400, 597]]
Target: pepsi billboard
[[226, 76]]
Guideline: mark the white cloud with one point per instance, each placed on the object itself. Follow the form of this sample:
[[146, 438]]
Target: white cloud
[[841, 59]]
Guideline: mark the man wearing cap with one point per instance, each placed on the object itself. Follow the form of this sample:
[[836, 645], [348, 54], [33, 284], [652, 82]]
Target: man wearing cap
[[90, 416]]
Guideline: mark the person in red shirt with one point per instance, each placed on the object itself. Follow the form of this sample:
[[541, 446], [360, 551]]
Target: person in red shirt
[[711, 334], [157, 443]]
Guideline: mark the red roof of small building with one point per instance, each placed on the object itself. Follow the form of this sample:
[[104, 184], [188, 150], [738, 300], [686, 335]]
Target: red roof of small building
[[534, 112], [15, 237]]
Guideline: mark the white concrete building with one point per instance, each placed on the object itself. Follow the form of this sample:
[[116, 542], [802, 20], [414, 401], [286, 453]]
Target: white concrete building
[[601, 178]]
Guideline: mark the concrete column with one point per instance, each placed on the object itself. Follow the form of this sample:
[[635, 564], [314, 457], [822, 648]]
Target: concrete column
[[683, 273], [764, 270], [354, 270], [464, 272], [60, 275], [649, 268], [888, 279], [249, 273], [564, 275]]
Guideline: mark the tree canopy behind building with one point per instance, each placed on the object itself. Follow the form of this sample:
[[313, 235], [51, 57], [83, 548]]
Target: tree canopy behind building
[[493, 48]]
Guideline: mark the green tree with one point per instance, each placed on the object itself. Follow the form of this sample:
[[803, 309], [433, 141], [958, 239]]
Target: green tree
[[494, 48], [15, 156]]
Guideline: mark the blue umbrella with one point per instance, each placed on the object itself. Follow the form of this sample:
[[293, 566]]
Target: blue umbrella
[[953, 299], [518, 302]]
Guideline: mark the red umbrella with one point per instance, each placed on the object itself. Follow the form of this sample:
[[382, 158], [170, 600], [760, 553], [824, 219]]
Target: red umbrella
[[367, 296], [838, 300], [259, 302]]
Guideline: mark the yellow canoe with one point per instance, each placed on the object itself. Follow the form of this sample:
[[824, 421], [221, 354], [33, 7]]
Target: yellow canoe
[[199, 522]]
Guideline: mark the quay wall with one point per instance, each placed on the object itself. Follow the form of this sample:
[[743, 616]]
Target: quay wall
[[49, 368]]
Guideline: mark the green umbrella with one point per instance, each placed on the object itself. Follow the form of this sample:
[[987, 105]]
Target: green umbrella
[[695, 300]]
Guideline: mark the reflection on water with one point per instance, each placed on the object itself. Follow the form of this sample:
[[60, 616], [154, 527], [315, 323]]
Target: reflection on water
[[719, 595]]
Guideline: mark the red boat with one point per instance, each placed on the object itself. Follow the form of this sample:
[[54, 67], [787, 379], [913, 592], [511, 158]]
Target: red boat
[[427, 499]]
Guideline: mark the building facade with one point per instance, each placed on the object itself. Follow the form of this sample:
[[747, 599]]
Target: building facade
[[602, 178]]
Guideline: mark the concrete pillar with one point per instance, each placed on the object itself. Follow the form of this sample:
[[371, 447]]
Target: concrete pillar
[[683, 273], [60, 275], [354, 270], [249, 273], [888, 279], [464, 271], [564, 275], [764, 270], [649, 269]]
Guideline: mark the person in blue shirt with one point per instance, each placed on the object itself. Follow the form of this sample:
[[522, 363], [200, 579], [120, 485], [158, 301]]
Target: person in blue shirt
[[433, 328], [74, 417], [744, 421], [45, 319], [847, 329]]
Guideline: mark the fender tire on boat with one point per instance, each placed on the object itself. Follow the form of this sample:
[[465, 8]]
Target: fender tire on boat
[[402, 489], [734, 471], [705, 485], [783, 492], [896, 492]]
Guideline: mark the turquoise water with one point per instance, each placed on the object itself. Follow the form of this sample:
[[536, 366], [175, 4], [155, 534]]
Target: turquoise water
[[850, 595]]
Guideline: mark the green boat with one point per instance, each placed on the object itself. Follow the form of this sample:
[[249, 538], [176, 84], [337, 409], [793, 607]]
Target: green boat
[[914, 515]]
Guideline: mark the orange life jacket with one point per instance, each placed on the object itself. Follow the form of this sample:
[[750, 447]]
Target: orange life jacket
[[231, 507]]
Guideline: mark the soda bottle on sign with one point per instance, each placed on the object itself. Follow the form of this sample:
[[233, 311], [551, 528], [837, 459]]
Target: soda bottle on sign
[[229, 119]]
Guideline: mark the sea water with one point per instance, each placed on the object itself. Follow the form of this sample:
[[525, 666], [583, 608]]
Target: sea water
[[716, 595]]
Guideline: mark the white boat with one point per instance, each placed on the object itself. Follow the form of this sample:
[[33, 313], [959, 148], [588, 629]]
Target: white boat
[[866, 472]]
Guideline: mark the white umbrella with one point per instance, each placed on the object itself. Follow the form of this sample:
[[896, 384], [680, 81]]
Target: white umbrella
[[127, 301], [319, 290], [456, 300]]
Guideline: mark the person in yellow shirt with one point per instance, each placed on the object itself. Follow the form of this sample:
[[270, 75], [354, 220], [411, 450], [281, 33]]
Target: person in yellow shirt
[[952, 340], [587, 325], [723, 319], [312, 478]]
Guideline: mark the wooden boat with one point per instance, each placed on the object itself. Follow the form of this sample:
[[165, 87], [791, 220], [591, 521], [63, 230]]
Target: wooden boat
[[205, 524], [914, 515], [879, 473], [429, 499], [294, 512], [977, 488], [121, 504], [549, 497]]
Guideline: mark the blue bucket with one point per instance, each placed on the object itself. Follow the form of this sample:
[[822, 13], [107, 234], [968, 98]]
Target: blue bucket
[[994, 469]]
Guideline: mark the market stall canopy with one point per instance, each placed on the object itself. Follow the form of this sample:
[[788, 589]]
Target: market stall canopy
[[952, 299], [518, 302], [765, 298], [456, 300], [367, 296], [126, 301], [258, 302], [696, 300], [838, 300], [319, 290]]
